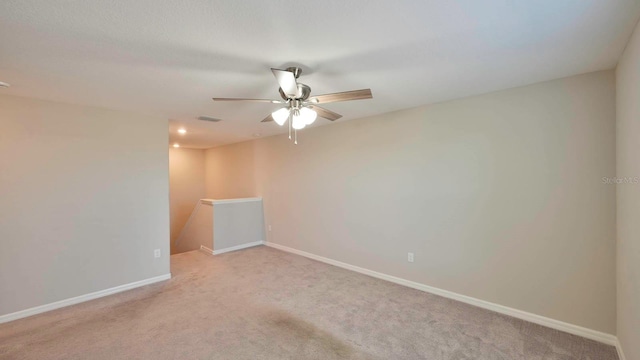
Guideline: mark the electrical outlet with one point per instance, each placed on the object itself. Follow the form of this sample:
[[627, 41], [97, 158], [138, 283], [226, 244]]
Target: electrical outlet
[[410, 257], [156, 253], [269, 227]]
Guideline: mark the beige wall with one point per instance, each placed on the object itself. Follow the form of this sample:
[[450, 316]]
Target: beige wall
[[628, 196], [499, 196], [229, 171], [84, 200], [186, 184]]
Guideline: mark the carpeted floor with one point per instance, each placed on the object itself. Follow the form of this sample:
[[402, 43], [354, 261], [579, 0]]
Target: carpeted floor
[[261, 303]]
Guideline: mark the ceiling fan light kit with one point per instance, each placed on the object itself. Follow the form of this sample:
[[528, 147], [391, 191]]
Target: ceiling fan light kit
[[299, 108]]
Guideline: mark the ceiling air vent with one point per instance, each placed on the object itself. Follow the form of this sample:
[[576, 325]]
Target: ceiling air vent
[[208, 118]]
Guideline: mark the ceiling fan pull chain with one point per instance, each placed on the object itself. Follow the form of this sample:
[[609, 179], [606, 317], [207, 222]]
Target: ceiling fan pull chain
[[289, 125], [295, 132]]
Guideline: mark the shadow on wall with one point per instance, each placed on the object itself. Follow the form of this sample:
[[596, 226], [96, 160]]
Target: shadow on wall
[[197, 231]]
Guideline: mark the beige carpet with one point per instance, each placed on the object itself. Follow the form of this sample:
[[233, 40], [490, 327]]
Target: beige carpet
[[262, 303]]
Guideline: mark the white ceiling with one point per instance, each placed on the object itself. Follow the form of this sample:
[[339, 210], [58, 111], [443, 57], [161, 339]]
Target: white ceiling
[[168, 58]]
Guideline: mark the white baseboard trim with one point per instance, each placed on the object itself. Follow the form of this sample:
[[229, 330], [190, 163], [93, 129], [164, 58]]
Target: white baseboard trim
[[82, 298], [206, 249], [620, 352], [237, 247], [523, 315]]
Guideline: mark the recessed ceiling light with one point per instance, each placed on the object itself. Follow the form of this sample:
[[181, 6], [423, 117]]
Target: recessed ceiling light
[[176, 145], [182, 131], [4, 85]]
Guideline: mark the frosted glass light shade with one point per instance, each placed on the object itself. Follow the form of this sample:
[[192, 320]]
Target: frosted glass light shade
[[298, 121], [308, 115], [280, 116]]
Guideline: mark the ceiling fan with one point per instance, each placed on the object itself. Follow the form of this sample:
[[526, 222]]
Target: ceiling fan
[[300, 108]]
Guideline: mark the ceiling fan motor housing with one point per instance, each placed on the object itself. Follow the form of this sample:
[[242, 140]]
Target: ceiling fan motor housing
[[302, 93]]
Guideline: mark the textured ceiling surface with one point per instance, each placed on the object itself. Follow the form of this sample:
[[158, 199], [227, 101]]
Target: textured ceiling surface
[[168, 58]]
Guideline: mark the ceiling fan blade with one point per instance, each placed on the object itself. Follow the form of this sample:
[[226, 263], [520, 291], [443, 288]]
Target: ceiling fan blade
[[327, 114], [267, 119], [342, 96], [252, 100], [287, 81]]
